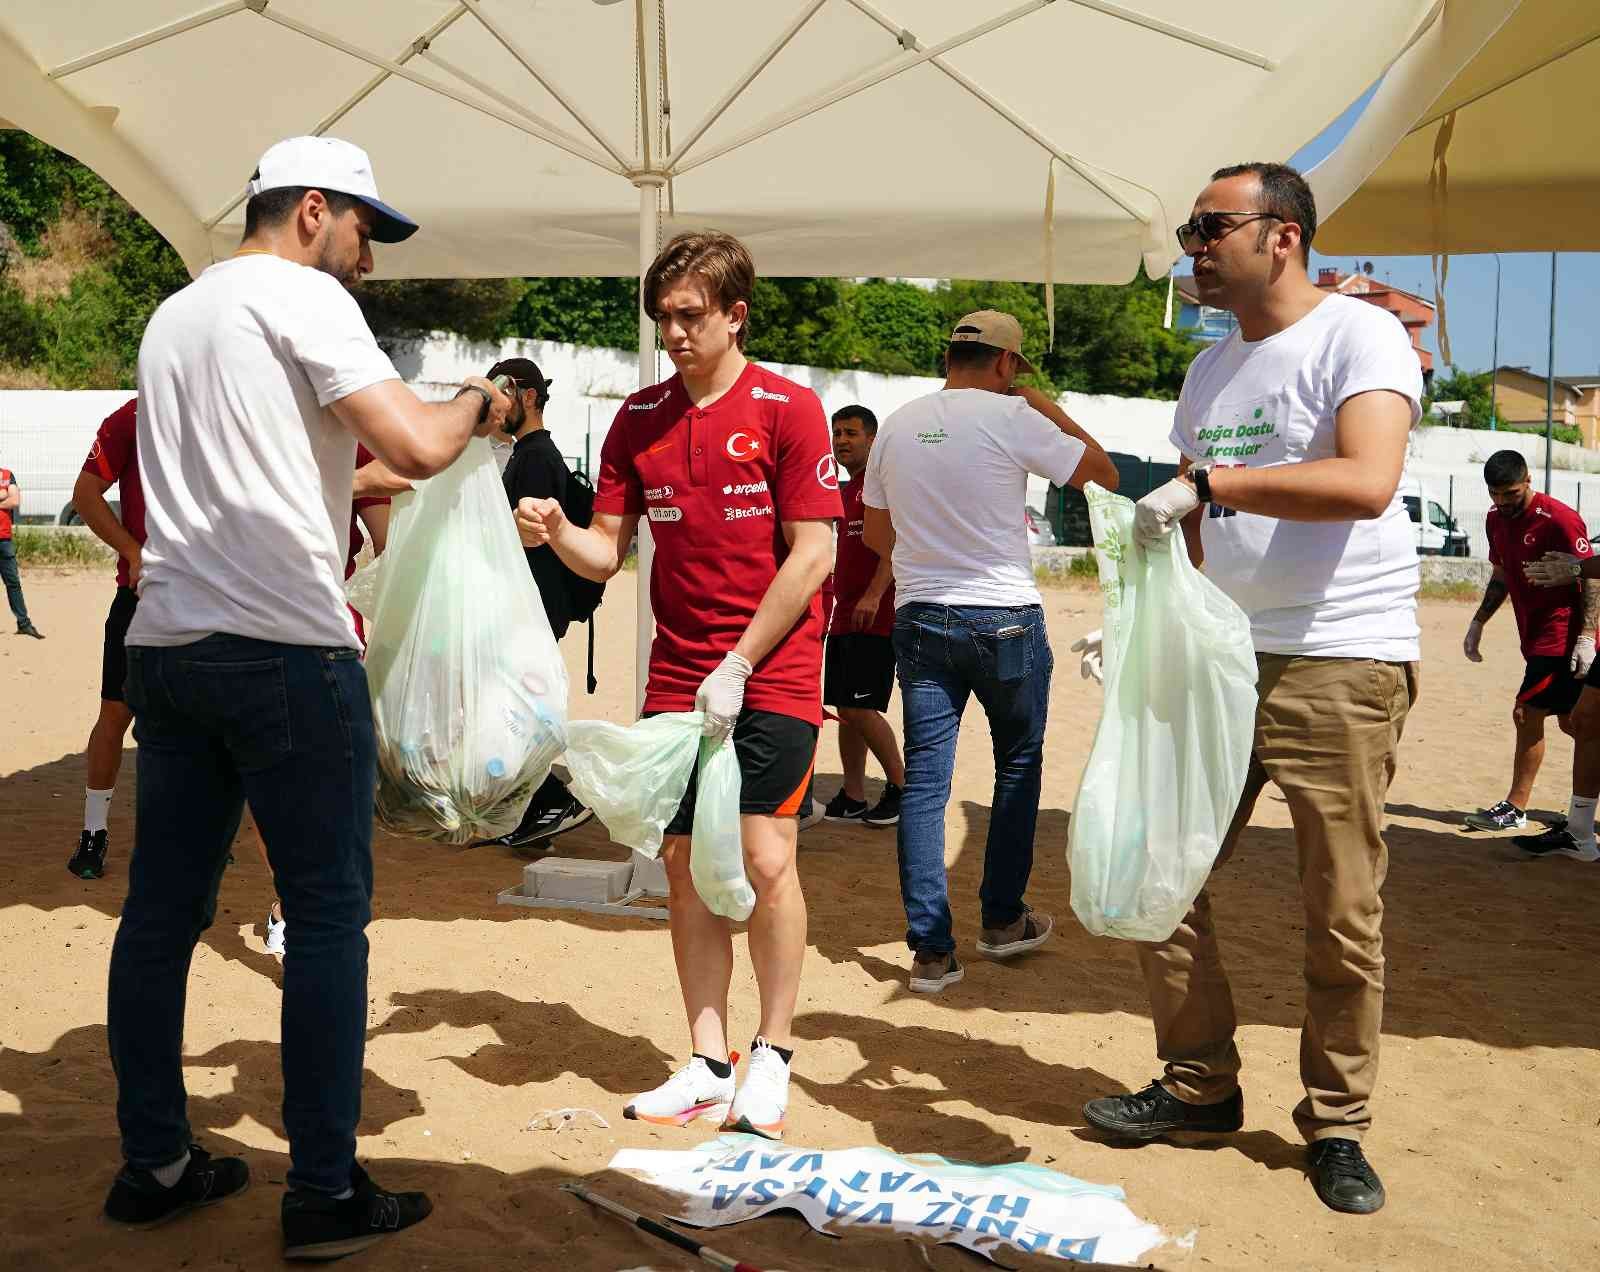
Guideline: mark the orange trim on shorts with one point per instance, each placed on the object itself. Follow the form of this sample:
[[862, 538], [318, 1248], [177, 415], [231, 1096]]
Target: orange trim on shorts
[[791, 806]]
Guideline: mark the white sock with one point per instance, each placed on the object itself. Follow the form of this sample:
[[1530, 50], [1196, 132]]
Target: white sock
[[172, 1172], [96, 804], [1580, 818]]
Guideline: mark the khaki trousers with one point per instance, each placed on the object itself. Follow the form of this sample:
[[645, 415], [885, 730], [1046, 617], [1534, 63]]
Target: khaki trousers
[[1326, 734]]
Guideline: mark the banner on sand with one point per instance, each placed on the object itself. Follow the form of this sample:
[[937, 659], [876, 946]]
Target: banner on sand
[[985, 1208]]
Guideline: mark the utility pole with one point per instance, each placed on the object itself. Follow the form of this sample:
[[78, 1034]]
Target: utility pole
[[1494, 358]]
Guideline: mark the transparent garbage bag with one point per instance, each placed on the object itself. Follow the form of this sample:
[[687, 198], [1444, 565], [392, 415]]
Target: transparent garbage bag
[[634, 777], [469, 690], [1169, 757]]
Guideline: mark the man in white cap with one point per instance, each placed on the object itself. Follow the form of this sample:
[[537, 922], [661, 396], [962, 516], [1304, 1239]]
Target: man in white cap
[[945, 492], [245, 680]]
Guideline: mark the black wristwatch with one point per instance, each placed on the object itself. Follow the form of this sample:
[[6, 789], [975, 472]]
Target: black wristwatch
[[1201, 477]]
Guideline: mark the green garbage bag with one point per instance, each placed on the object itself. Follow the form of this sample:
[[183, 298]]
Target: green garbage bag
[[1170, 755], [634, 778]]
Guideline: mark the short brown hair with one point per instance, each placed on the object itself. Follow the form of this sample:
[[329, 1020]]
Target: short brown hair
[[719, 260]]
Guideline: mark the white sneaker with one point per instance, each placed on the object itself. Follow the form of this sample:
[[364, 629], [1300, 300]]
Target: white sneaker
[[276, 931], [763, 1099], [810, 815], [693, 1091]]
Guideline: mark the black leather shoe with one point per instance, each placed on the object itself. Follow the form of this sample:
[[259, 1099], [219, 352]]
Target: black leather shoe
[[1155, 1111], [319, 1228], [1343, 1177]]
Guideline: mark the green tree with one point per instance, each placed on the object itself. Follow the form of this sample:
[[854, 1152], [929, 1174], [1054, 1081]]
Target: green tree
[[477, 308], [594, 311], [1471, 387]]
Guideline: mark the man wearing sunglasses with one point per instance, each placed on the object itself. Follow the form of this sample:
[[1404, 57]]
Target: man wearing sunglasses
[[1293, 433]]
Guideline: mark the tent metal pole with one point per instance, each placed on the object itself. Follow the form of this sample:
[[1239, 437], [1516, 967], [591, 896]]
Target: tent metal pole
[[417, 47], [1550, 380], [811, 105], [1177, 33], [494, 94], [511, 47], [148, 38], [649, 207], [744, 82], [443, 90]]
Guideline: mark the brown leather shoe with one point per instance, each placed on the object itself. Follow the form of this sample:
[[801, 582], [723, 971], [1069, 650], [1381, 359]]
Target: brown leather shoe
[[1028, 933], [931, 972]]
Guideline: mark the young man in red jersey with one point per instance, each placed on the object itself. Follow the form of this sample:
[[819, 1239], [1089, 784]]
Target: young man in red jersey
[[733, 468], [1556, 625], [858, 661]]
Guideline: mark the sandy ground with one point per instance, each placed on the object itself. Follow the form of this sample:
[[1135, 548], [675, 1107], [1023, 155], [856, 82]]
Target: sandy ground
[[482, 1015]]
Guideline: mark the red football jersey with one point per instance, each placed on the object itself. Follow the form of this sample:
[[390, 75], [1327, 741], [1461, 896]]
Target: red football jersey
[[716, 483], [114, 457], [6, 478], [853, 568], [1549, 619]]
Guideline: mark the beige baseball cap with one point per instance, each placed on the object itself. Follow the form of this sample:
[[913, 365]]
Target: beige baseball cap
[[991, 327]]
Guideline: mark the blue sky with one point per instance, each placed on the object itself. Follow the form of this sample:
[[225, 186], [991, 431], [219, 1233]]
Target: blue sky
[[1469, 294]]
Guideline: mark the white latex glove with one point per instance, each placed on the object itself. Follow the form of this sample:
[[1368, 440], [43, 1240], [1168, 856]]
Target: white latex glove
[[1474, 637], [1555, 569], [1160, 510], [1092, 667], [721, 695], [1583, 655]]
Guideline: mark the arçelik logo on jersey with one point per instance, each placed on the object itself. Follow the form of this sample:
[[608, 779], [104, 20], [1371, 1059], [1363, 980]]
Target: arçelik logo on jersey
[[766, 395], [828, 473]]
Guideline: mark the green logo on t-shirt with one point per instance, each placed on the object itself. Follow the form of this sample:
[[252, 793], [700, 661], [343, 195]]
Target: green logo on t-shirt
[[932, 437]]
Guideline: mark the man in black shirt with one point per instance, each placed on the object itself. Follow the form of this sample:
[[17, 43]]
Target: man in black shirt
[[536, 470]]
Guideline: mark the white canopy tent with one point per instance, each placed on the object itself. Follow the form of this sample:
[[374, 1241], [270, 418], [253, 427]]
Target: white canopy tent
[[1036, 140]]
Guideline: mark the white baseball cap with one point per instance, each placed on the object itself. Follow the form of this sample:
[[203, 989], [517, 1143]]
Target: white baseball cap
[[326, 163]]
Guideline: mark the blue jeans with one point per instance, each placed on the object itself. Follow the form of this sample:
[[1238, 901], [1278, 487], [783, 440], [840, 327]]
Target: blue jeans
[[1002, 656], [289, 728], [12, 578]]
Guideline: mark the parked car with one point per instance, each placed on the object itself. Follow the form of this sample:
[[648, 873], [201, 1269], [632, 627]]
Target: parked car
[[1437, 532], [1040, 533]]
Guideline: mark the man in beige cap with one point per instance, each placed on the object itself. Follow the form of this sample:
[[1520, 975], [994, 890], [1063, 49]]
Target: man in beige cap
[[944, 493]]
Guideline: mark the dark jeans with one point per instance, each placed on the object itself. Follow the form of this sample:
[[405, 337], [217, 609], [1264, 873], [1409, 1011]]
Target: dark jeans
[[13, 581], [289, 728], [943, 654]]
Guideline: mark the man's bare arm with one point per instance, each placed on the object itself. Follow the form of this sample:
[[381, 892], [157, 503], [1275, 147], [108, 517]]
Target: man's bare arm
[[798, 578], [1358, 484], [1095, 465], [877, 531], [377, 481], [89, 499], [1191, 524], [1591, 606], [11, 499], [417, 439], [596, 553], [1494, 596]]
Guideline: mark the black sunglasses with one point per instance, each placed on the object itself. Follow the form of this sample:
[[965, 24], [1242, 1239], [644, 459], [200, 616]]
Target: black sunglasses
[[1208, 227]]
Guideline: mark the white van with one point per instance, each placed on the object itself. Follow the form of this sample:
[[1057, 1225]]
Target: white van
[[1437, 532], [45, 435]]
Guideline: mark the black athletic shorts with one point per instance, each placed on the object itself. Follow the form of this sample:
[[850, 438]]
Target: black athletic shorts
[[858, 670], [1548, 685], [114, 658], [776, 755]]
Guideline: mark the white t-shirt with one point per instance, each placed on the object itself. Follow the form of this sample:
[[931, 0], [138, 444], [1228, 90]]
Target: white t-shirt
[[952, 469], [246, 472], [1345, 589]]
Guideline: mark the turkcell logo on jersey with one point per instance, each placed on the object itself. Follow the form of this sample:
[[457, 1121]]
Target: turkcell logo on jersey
[[1243, 437], [766, 395]]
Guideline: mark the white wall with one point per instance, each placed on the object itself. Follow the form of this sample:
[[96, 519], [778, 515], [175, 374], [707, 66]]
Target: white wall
[[45, 435]]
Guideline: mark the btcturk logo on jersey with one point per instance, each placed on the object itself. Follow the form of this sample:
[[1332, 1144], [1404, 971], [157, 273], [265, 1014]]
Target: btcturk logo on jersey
[[828, 473], [742, 447]]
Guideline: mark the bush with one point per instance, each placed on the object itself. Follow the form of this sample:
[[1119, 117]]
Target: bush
[[73, 549]]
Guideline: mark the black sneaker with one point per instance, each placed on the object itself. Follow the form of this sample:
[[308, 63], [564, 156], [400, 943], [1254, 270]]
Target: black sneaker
[[89, 862], [318, 1227], [841, 808], [544, 824], [1503, 816], [886, 812], [139, 1201], [1558, 841], [1343, 1177], [1155, 1111], [28, 629]]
